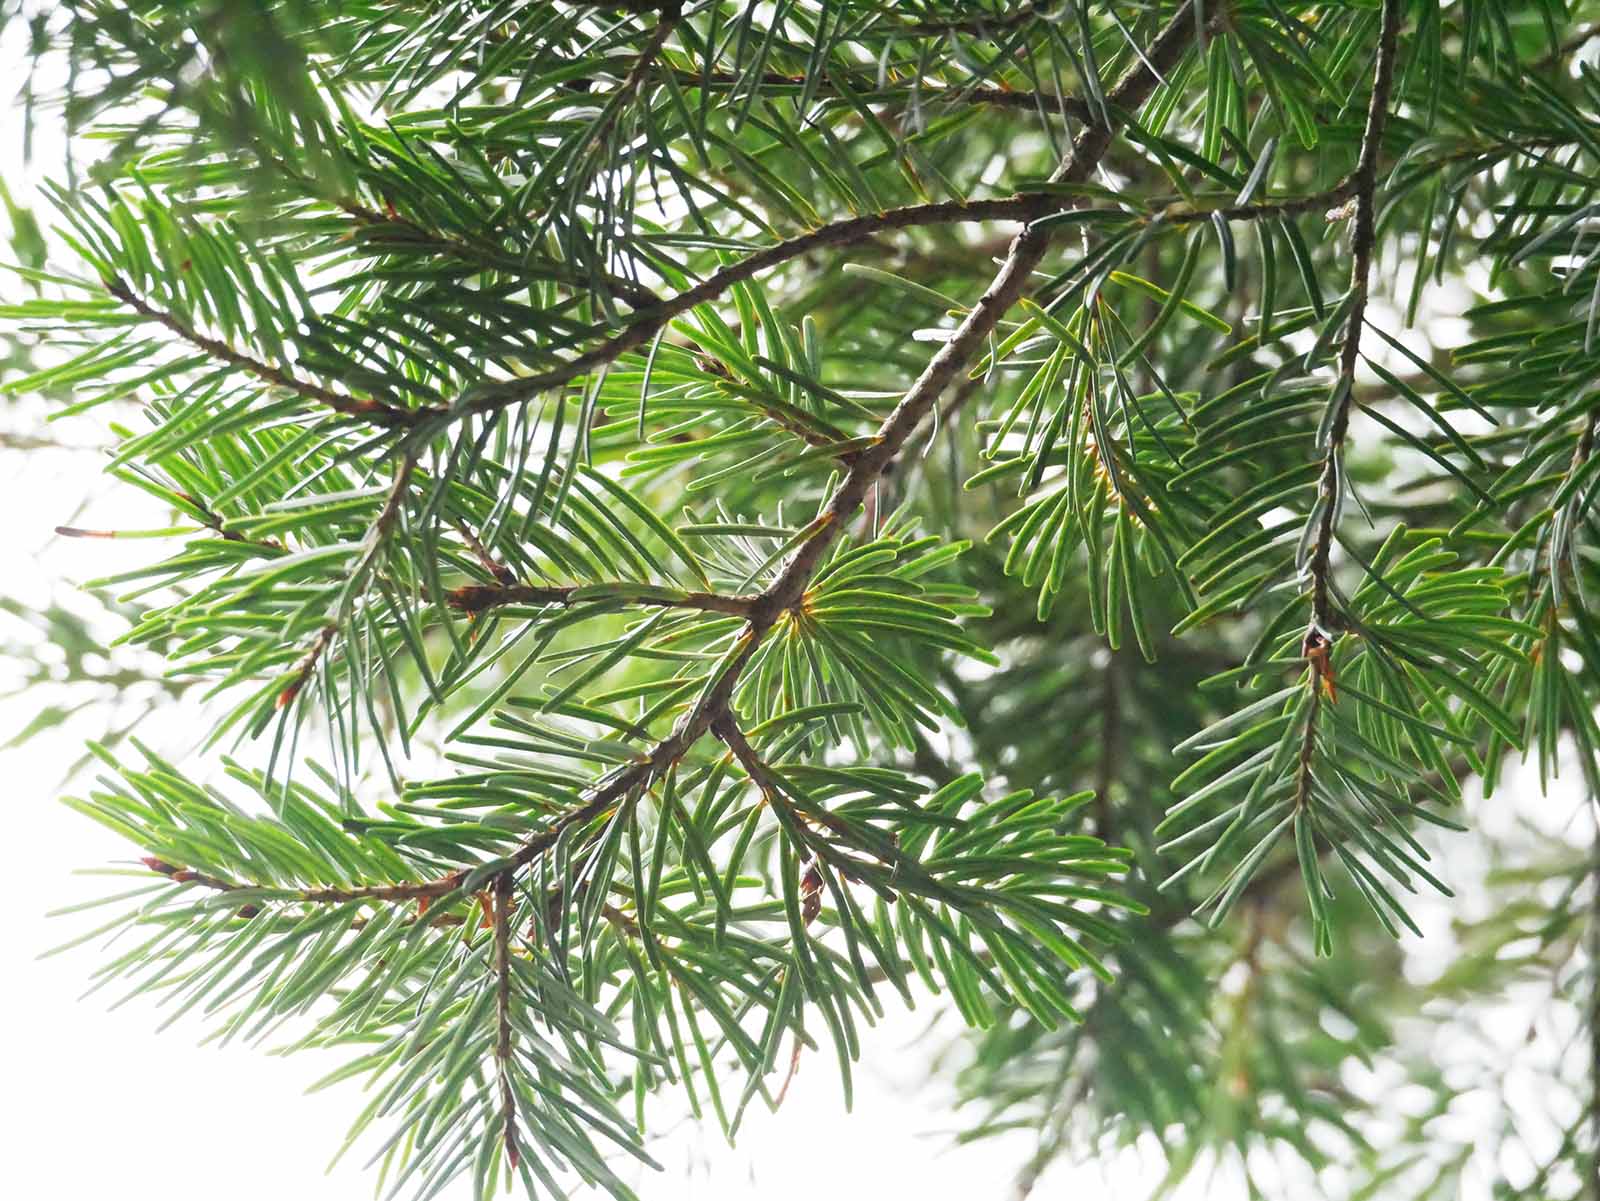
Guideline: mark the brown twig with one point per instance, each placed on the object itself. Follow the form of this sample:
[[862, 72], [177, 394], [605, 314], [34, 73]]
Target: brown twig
[[984, 24], [899, 92], [307, 665], [669, 14], [213, 520], [1323, 627], [382, 524], [503, 886], [376, 411], [479, 598], [1564, 51], [493, 566], [1362, 242]]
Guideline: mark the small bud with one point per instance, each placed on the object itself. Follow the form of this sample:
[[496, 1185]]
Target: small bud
[[811, 893]]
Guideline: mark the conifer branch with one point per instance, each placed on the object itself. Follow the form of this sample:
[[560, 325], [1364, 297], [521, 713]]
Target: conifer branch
[[503, 895], [1363, 239], [376, 537], [1179, 213], [424, 891], [404, 232], [787, 590], [480, 598], [644, 326], [987, 25], [378, 412], [905, 92], [214, 521], [184, 875], [727, 730], [1323, 629], [645, 323]]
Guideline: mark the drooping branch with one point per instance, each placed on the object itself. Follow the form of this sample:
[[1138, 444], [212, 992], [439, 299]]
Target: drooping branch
[[480, 598], [669, 14], [900, 91], [376, 411], [644, 326], [1322, 628], [376, 537], [1362, 242], [503, 895], [418, 890]]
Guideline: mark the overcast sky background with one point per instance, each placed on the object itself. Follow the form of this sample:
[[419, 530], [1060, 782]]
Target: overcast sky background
[[100, 1104]]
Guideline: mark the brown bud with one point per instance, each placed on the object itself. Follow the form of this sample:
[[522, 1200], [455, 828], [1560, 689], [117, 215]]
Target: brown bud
[[811, 892]]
